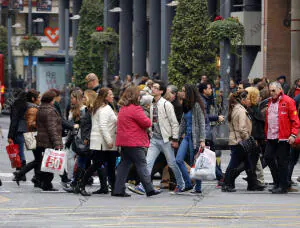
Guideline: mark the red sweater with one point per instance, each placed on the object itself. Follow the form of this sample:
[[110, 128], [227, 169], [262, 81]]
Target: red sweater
[[132, 127]]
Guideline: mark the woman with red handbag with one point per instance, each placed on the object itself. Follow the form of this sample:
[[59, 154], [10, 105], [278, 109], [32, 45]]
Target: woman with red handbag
[[18, 124]]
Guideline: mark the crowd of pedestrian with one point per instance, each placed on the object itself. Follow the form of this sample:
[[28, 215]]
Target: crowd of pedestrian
[[153, 127]]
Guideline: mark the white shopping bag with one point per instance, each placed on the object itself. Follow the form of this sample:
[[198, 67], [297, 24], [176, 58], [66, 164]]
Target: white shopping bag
[[205, 166], [54, 161]]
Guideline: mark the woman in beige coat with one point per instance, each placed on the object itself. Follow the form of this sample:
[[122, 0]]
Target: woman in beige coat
[[240, 127]]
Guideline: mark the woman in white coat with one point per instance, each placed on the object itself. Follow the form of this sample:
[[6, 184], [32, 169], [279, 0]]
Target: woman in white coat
[[102, 140]]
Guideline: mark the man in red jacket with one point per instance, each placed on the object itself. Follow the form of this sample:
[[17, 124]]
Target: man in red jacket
[[281, 129]]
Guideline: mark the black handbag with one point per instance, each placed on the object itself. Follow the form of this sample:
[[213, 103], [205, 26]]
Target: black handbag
[[248, 145], [79, 147]]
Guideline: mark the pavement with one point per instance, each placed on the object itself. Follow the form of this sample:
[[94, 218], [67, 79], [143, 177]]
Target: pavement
[[26, 206]]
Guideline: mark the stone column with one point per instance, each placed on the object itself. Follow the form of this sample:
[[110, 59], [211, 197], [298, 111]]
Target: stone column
[[139, 36], [295, 41], [125, 38], [154, 37]]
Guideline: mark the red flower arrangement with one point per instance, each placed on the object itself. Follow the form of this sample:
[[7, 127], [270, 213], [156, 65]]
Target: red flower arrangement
[[99, 29], [219, 18]]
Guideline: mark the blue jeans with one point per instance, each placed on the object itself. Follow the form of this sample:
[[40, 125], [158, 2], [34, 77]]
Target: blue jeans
[[186, 146], [157, 146], [20, 141], [81, 161]]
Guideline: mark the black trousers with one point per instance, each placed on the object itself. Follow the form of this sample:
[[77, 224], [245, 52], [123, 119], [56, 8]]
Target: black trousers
[[99, 158], [35, 164], [277, 157], [135, 155], [45, 177], [294, 157]]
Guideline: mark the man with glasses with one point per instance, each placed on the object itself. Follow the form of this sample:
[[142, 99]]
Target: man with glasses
[[281, 129], [164, 135]]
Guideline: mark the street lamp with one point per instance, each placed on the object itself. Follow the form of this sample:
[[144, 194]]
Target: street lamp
[[17, 25], [173, 3], [115, 10], [75, 17], [38, 20]]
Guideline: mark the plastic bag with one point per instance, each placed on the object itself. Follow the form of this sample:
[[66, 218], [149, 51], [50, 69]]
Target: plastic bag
[[13, 154], [205, 166], [54, 161]]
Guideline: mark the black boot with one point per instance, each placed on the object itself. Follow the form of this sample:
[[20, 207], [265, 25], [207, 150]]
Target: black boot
[[252, 181], [82, 190], [23, 177], [17, 177], [103, 182], [77, 180]]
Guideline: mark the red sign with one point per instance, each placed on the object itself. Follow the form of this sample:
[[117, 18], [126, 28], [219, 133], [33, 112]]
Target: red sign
[[52, 34]]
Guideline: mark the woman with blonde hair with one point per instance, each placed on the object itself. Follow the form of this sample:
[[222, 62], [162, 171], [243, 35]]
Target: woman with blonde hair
[[258, 123], [102, 141]]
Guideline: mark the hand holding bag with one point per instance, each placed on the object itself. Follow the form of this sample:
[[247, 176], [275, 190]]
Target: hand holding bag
[[205, 166], [79, 147], [30, 140]]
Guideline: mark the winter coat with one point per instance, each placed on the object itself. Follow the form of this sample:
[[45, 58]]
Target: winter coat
[[132, 127], [167, 120], [103, 132], [240, 126], [49, 128], [198, 125], [17, 119], [208, 117], [85, 125], [258, 122], [30, 116], [287, 117], [66, 125]]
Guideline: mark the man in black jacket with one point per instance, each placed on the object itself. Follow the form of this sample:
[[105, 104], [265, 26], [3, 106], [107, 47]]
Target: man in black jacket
[[205, 90]]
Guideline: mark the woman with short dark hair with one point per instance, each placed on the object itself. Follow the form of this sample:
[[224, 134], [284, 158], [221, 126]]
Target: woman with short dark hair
[[132, 137], [49, 129]]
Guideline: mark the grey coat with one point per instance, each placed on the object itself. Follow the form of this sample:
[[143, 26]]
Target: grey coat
[[198, 125]]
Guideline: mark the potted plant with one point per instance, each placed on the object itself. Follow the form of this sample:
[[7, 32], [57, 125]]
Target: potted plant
[[30, 44], [229, 28]]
